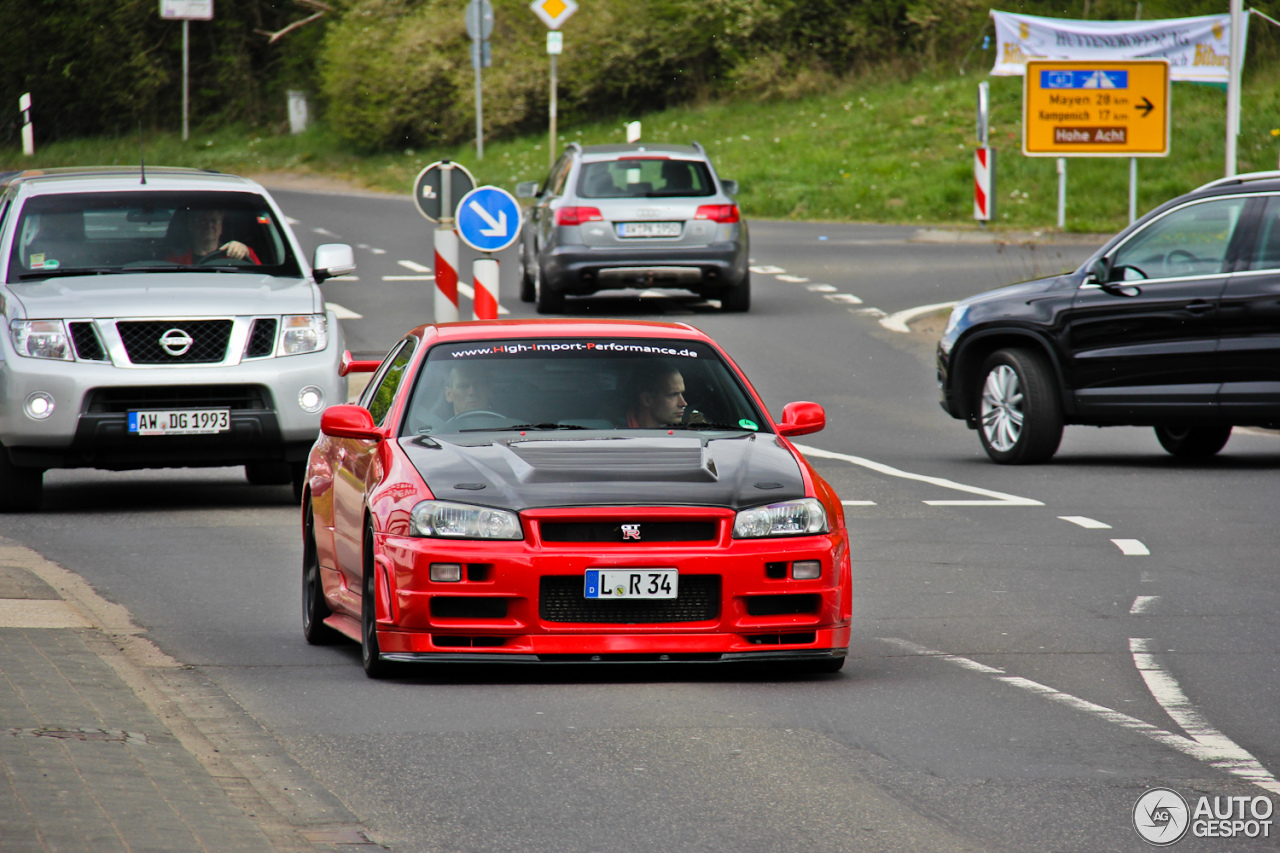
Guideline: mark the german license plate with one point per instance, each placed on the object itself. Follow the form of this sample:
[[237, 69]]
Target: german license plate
[[180, 422], [631, 583], [648, 229]]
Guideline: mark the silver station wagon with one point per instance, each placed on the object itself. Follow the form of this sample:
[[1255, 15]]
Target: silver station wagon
[[638, 215], [158, 319]]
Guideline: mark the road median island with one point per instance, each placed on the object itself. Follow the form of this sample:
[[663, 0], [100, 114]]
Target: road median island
[[107, 742]]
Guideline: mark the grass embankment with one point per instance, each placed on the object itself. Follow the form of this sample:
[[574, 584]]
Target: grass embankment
[[898, 152]]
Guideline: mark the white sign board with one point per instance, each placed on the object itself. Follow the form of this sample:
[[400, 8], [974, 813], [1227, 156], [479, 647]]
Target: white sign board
[[1198, 49], [186, 10], [555, 43]]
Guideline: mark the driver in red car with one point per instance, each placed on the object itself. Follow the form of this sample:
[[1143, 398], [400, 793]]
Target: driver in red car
[[466, 389], [204, 234], [659, 399]]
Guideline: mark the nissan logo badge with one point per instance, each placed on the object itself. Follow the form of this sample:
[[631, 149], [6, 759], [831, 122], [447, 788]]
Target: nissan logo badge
[[175, 342]]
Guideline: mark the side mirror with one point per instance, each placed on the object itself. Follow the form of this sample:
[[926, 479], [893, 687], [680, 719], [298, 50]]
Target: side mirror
[[349, 422], [527, 189], [729, 187], [1099, 271], [802, 418], [332, 260], [349, 364]]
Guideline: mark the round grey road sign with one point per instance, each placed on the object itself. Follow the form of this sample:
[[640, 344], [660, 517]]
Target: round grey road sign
[[430, 189], [479, 20]]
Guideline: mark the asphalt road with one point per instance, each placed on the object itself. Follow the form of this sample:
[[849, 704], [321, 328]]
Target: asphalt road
[[1021, 671]]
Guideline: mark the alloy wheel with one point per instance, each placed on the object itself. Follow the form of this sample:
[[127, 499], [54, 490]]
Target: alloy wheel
[[1002, 408]]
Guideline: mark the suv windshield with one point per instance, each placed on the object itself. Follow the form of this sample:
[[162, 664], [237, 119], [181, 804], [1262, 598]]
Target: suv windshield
[[645, 177], [94, 233], [578, 383]]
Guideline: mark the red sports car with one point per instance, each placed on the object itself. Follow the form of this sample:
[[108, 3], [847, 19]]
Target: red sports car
[[570, 491]]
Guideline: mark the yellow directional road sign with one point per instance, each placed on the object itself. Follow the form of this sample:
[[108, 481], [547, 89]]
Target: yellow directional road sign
[[1084, 108], [553, 12]]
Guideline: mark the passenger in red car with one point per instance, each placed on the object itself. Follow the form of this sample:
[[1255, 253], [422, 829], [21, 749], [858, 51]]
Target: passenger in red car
[[659, 399], [467, 389], [203, 240]]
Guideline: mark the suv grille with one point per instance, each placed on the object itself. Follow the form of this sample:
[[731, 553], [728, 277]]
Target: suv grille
[[132, 398], [142, 340], [262, 339], [86, 342], [560, 599], [611, 531]]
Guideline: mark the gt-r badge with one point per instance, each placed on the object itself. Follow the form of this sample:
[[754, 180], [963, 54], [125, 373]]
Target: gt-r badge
[[631, 531]]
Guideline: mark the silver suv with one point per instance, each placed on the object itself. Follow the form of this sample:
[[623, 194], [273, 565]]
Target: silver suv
[[158, 319], [642, 215]]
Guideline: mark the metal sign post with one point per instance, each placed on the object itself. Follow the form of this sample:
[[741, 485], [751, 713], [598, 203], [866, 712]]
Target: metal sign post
[[488, 221], [479, 28], [553, 13], [436, 191], [186, 11]]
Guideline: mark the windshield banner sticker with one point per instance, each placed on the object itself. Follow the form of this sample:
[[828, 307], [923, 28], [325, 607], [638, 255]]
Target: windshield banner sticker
[[575, 346]]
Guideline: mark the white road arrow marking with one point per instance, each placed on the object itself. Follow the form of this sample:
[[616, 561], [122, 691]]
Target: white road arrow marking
[[497, 227]]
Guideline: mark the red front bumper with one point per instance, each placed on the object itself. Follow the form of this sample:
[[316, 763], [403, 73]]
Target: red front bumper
[[522, 601]]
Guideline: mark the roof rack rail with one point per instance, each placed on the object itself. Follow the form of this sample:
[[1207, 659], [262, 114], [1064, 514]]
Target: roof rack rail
[[577, 145], [698, 146], [1234, 179]]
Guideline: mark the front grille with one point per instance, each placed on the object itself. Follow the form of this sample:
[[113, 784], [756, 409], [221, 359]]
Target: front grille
[[85, 338], [262, 338], [141, 340], [460, 607], [783, 605], [611, 531], [133, 398], [560, 599]]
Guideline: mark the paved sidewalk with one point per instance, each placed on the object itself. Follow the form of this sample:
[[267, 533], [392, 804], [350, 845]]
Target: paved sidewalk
[[107, 744]]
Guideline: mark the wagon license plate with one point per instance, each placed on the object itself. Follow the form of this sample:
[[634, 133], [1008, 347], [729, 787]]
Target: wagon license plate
[[180, 422], [631, 583], [648, 229]]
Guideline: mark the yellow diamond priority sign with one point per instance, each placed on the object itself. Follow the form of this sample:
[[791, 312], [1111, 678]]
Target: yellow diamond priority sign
[[1087, 108], [553, 12]]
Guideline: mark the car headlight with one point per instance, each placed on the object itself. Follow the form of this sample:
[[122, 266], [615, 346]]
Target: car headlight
[[789, 518], [464, 521], [304, 333], [41, 339]]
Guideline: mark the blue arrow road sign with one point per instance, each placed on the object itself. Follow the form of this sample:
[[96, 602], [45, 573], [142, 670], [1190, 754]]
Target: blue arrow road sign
[[488, 219]]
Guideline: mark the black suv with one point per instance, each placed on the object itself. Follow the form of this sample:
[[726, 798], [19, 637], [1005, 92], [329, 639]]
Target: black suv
[[1174, 323]]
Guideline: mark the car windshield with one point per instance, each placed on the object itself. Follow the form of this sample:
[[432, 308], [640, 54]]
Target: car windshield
[[140, 231], [645, 177], [578, 383]]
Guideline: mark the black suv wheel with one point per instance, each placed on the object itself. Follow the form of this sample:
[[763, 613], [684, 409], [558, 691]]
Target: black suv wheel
[[1192, 441], [1019, 413]]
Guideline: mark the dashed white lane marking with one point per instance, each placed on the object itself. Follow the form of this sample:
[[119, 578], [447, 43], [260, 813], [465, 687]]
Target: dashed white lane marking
[[414, 266], [1147, 577], [408, 278], [343, 278], [898, 322], [821, 288], [1219, 750], [997, 498], [324, 232], [858, 503], [378, 251], [1083, 521], [1255, 431], [870, 312], [793, 279], [1143, 604], [766, 270], [343, 313], [1132, 547], [843, 298], [1212, 753], [291, 220]]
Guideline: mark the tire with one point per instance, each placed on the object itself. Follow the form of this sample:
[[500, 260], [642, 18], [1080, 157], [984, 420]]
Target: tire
[[1018, 407], [298, 479], [20, 488], [737, 300], [268, 473], [314, 608], [548, 301], [374, 666], [528, 288], [1192, 442]]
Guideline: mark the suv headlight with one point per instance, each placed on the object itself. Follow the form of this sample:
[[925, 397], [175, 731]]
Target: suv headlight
[[304, 333], [464, 521], [790, 518], [41, 339]]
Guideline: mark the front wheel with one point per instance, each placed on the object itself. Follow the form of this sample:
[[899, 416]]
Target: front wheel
[[1191, 442], [1019, 410], [314, 607], [370, 653], [20, 488]]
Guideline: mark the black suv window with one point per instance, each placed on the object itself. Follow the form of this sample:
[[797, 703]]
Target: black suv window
[[1190, 241], [1267, 255], [645, 177]]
